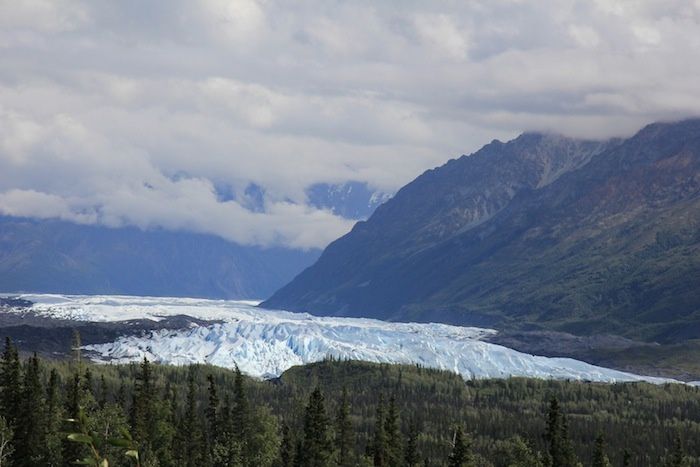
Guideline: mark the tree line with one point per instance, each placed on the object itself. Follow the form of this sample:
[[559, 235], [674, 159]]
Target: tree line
[[332, 413]]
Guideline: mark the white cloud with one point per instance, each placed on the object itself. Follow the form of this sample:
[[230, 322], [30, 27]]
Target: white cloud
[[131, 112]]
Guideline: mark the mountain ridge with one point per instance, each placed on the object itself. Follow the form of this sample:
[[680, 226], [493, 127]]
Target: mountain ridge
[[526, 264], [53, 256]]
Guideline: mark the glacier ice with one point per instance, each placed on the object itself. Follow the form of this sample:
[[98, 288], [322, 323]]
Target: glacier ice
[[265, 343]]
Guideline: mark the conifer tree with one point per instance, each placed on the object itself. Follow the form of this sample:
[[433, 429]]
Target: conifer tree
[[677, 458], [87, 381], [317, 446], [379, 445], [142, 416], [227, 449], [461, 455], [553, 433], [73, 402], [6, 447], [344, 440], [212, 413], [392, 432], [121, 395], [286, 455], [518, 453], [569, 458], [241, 418], [78, 399], [600, 459], [298, 454], [411, 457], [103, 392], [30, 437], [626, 459], [560, 449], [54, 418], [190, 436], [10, 379]]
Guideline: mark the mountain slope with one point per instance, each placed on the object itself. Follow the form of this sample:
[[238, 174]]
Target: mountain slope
[[569, 235], [56, 256]]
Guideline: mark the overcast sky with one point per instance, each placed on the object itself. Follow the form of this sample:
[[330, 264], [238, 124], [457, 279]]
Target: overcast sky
[[134, 112]]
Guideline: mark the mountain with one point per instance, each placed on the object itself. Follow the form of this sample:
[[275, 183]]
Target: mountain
[[351, 200], [62, 257], [542, 232]]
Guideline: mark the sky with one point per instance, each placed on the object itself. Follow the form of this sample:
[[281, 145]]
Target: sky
[[144, 112]]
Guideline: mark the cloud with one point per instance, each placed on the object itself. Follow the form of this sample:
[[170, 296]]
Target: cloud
[[133, 113]]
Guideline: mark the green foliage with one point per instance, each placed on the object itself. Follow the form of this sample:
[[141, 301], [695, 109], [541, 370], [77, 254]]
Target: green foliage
[[317, 445], [392, 431], [344, 440], [516, 452], [411, 455], [284, 423], [600, 458], [6, 448], [461, 455], [561, 452], [97, 442]]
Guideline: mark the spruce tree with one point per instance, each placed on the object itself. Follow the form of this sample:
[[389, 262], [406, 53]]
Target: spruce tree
[[553, 433], [227, 448], [560, 448], [392, 432], [190, 435], [286, 455], [626, 459], [569, 458], [241, 418], [102, 401], [379, 445], [54, 418], [677, 458], [73, 402], [298, 454], [461, 455], [10, 379], [142, 414], [212, 413], [518, 453], [30, 437], [121, 395], [317, 446], [6, 447], [411, 457], [344, 440], [600, 459]]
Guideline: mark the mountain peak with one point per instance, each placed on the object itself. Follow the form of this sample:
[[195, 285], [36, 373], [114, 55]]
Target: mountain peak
[[546, 231]]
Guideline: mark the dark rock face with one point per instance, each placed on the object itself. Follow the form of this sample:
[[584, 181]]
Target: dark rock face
[[542, 232], [54, 256]]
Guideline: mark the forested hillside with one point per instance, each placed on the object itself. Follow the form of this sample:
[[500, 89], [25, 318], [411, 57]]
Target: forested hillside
[[333, 413]]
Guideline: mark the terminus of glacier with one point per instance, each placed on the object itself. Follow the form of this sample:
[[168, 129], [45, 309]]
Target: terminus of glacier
[[265, 343]]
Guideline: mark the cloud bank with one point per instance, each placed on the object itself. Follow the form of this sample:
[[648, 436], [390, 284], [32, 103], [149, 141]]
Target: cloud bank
[[140, 113]]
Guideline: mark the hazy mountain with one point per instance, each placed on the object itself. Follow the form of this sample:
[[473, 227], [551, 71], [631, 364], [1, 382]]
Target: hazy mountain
[[351, 200], [539, 232], [56, 256]]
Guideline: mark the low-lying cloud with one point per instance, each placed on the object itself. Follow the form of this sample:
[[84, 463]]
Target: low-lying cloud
[[133, 113]]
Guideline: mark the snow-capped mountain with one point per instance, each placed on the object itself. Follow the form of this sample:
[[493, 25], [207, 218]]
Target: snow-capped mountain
[[265, 343], [351, 200]]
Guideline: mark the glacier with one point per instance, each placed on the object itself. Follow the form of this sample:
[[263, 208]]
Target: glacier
[[264, 343]]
